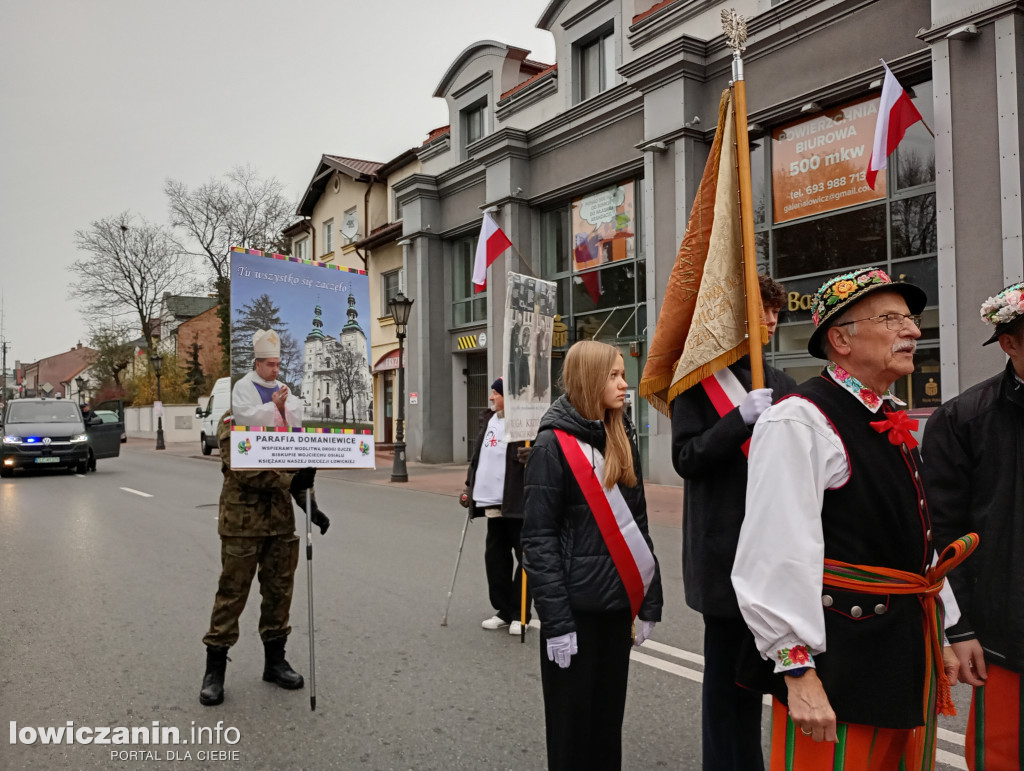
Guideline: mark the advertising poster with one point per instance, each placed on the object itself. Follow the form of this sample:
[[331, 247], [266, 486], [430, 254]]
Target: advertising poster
[[603, 227], [820, 164], [529, 323], [300, 363]]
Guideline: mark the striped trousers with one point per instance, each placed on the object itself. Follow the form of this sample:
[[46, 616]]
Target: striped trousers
[[995, 725], [859, 747]]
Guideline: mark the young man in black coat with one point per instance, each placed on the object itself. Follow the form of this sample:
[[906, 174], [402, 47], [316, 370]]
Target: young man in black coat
[[973, 454], [497, 494], [708, 452]]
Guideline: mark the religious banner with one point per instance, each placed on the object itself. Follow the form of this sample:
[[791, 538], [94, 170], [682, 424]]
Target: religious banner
[[529, 324], [300, 362], [820, 164]]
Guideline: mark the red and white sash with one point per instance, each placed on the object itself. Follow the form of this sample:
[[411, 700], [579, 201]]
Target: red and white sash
[[630, 553], [726, 393]]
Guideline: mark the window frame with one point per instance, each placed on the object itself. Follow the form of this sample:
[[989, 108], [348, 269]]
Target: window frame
[[328, 236], [602, 41]]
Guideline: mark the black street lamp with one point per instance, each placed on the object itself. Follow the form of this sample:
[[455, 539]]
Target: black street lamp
[[157, 361], [80, 382], [400, 306]]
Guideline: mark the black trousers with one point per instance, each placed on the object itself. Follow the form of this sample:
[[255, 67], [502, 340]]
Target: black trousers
[[585, 703], [503, 562], [730, 715]]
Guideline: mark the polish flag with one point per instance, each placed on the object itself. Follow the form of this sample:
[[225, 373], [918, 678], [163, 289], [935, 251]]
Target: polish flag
[[896, 114], [492, 243]]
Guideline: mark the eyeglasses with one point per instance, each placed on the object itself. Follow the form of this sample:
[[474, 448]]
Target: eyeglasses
[[893, 321]]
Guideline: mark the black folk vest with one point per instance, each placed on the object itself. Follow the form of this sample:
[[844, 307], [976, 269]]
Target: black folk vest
[[873, 668]]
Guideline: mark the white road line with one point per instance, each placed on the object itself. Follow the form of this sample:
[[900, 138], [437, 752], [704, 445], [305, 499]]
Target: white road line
[[956, 761], [678, 653], [953, 738], [80, 476], [667, 666], [136, 492]]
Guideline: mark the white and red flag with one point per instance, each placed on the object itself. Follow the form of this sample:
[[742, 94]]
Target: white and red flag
[[492, 243], [896, 114]]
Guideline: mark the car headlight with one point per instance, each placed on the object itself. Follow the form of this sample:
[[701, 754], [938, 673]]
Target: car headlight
[[11, 439], [79, 438]]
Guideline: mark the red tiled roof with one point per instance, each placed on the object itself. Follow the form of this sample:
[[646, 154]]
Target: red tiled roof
[[530, 64], [652, 9], [436, 133], [528, 81], [361, 166]]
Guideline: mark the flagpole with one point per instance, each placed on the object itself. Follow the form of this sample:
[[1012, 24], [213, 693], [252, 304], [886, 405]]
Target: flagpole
[[735, 27]]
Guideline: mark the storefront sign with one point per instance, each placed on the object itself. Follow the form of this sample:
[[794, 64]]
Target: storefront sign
[[819, 164]]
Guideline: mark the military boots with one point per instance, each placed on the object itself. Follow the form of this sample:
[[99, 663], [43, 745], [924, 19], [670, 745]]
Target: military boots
[[276, 669], [213, 681]]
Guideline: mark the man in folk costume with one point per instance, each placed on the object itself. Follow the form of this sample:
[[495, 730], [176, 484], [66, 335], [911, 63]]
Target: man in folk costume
[[259, 398], [711, 427], [832, 569], [974, 469]]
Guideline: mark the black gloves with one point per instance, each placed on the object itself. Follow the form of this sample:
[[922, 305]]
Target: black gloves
[[320, 520], [303, 480]]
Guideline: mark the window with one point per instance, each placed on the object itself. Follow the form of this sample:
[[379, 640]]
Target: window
[[302, 249], [328, 236], [474, 123], [391, 284], [596, 64], [468, 307], [397, 209]]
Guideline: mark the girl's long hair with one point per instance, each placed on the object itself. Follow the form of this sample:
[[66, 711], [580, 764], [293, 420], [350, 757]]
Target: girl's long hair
[[588, 365]]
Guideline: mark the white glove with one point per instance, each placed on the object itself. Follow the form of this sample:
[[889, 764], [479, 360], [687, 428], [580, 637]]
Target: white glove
[[562, 648], [757, 401], [643, 632]]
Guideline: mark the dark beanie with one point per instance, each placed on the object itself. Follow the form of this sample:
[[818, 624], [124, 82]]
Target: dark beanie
[[497, 386]]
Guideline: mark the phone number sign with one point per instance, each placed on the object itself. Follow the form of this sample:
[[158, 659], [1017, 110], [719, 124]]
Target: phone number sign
[[819, 164]]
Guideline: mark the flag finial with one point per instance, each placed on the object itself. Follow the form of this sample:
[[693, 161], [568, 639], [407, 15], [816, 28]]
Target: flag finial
[[735, 28]]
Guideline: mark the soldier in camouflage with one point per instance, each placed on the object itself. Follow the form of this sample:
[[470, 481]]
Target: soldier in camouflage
[[257, 531]]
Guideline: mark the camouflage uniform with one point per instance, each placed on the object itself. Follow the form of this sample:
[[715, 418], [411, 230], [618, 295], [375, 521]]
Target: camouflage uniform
[[257, 530]]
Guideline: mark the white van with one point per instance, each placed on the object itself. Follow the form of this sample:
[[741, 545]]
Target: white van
[[219, 403]]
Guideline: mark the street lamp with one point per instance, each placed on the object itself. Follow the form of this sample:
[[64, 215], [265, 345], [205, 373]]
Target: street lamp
[[400, 306], [157, 361], [80, 382]]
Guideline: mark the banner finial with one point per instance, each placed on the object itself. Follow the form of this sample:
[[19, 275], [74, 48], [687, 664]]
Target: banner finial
[[735, 28]]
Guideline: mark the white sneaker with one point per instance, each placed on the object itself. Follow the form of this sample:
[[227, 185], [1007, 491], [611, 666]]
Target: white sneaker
[[515, 628], [494, 622]]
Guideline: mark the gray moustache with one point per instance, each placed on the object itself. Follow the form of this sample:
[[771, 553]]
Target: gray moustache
[[904, 347]]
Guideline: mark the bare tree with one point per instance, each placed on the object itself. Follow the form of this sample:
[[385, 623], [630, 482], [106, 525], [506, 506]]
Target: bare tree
[[128, 265], [240, 209], [349, 375], [113, 351]]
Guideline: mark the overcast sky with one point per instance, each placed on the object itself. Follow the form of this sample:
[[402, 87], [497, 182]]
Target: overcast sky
[[102, 100]]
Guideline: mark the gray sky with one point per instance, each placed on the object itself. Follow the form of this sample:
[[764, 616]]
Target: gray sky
[[102, 100]]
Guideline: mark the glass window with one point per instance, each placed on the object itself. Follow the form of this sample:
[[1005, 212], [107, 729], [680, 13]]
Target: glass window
[[830, 243], [757, 182], [913, 163], [302, 249], [474, 122], [390, 283], [607, 288], [328, 236], [554, 247], [912, 223], [467, 306], [604, 227], [397, 209], [596, 62]]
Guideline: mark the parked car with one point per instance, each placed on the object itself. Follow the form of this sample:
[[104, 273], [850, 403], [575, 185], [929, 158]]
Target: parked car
[[218, 403], [51, 433], [109, 416]]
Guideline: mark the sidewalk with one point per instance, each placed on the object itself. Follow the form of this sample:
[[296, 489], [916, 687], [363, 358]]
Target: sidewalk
[[664, 502]]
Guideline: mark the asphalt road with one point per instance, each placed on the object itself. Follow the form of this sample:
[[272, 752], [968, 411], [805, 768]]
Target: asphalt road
[[106, 585]]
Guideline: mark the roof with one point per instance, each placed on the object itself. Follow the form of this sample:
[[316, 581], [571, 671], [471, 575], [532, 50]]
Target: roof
[[188, 307], [479, 48], [652, 9], [402, 159], [382, 235], [360, 170], [437, 133], [533, 79]]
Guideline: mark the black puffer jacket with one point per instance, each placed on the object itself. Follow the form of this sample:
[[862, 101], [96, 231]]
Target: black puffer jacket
[[567, 563]]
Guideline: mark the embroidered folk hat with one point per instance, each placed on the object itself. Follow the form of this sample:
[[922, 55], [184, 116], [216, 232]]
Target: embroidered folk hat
[[1004, 310], [266, 345], [844, 291]]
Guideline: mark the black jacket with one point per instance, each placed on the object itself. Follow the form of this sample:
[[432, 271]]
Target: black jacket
[[706, 452], [567, 563], [973, 454], [512, 492]]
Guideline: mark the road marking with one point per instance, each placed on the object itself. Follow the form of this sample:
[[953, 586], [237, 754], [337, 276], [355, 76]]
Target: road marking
[[80, 476], [956, 761], [136, 492]]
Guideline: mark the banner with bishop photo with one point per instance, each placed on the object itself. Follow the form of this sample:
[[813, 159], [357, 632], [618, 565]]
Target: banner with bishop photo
[[529, 324], [302, 392]]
